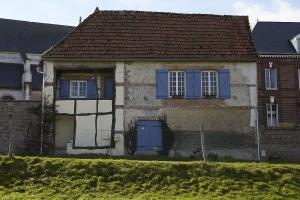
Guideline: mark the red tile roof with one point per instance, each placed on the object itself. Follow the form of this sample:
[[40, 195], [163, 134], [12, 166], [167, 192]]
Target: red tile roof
[[111, 35]]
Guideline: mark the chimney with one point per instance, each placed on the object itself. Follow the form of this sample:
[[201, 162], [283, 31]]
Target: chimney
[[80, 20]]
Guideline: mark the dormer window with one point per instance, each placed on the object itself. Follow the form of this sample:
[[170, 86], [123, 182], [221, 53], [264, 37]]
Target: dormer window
[[296, 43]]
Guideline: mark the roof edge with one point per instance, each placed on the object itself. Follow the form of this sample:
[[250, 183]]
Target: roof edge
[[148, 59]]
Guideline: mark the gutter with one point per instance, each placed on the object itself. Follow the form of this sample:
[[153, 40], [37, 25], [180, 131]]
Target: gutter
[[43, 110], [257, 135]]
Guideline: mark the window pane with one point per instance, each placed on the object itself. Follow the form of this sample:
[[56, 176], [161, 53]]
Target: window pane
[[272, 117], [82, 89], [273, 78], [74, 89]]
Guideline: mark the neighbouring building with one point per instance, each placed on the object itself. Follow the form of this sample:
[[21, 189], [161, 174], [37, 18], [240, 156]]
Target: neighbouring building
[[119, 67], [278, 70], [21, 46]]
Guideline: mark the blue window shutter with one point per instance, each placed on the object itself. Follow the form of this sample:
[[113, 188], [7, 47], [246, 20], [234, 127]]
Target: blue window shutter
[[91, 88], [162, 84], [64, 88], [197, 83], [190, 84], [108, 88], [224, 84]]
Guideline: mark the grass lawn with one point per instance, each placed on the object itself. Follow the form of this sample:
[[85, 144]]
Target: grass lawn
[[72, 178]]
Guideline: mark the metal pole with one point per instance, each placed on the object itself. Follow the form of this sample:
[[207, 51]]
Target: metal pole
[[257, 135], [202, 143]]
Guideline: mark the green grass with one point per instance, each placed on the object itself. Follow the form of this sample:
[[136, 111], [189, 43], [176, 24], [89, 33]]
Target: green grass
[[72, 178]]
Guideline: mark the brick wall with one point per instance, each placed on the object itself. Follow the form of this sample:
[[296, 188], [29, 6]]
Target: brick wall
[[22, 120], [284, 140]]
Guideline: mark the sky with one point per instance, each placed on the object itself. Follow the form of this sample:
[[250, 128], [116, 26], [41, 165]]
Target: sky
[[68, 12]]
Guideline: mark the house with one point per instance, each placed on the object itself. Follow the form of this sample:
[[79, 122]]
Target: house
[[119, 67], [278, 80], [21, 46]]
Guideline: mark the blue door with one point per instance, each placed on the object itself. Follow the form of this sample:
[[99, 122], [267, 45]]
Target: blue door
[[149, 135]]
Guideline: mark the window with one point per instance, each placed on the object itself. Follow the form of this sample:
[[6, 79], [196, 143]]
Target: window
[[78, 89], [272, 115], [209, 83], [271, 78], [177, 84]]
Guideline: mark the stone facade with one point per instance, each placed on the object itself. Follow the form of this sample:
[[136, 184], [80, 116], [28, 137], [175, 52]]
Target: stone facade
[[20, 120], [229, 125]]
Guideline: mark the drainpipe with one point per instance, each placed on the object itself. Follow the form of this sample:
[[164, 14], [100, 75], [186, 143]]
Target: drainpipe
[[257, 135], [42, 114]]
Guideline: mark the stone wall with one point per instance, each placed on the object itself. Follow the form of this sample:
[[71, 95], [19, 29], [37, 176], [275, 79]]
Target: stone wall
[[21, 121]]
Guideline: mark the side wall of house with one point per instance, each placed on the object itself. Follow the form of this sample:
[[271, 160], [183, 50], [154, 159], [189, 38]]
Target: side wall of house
[[284, 140], [229, 125], [20, 122], [60, 124]]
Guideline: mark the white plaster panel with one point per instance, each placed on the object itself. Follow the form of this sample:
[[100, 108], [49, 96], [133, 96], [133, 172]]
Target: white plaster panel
[[120, 95], [253, 96], [105, 106], [104, 123], [48, 71], [86, 106], [117, 151], [119, 73], [65, 106], [119, 125], [85, 131], [64, 130]]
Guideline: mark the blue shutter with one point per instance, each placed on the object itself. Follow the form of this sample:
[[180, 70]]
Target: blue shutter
[[224, 84], [162, 84], [197, 83], [91, 88], [190, 84], [64, 88], [108, 88]]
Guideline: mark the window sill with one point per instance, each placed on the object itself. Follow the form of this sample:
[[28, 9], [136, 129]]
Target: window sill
[[177, 97], [271, 89]]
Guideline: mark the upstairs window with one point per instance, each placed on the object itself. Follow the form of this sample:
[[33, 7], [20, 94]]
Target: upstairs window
[[78, 89], [272, 115], [271, 78], [209, 82], [177, 84]]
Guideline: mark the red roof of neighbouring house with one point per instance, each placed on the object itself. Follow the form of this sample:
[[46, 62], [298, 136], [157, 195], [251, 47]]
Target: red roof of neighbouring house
[[117, 35]]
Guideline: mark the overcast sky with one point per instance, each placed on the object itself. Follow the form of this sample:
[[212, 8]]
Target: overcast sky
[[67, 12]]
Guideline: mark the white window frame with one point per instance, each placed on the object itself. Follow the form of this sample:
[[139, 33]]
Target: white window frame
[[271, 112], [177, 91], [78, 88], [268, 76], [209, 83]]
